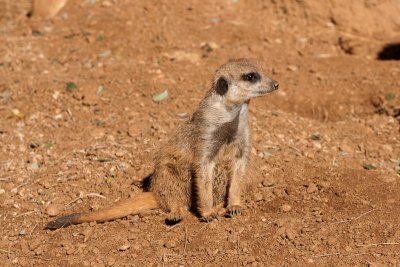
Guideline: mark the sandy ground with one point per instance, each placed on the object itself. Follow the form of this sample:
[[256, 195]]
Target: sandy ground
[[78, 125]]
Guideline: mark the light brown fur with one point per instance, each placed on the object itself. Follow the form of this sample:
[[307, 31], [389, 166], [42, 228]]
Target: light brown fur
[[202, 167]]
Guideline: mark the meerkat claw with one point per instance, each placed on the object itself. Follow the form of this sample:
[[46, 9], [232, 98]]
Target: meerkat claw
[[209, 218], [233, 211], [174, 218]]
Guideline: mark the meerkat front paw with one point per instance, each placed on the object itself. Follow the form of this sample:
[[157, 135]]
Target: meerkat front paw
[[232, 211], [209, 216]]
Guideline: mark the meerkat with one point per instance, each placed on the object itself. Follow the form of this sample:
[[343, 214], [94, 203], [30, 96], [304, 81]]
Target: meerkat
[[203, 165]]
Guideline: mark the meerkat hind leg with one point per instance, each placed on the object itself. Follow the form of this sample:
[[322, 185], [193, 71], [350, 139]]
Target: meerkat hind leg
[[169, 185]]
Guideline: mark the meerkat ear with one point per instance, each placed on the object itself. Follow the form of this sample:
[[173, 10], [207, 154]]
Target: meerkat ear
[[221, 86]]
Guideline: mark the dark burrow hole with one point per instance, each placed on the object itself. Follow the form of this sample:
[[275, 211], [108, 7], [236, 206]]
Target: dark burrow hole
[[390, 52]]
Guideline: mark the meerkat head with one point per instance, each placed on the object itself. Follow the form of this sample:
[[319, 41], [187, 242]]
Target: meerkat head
[[240, 80]]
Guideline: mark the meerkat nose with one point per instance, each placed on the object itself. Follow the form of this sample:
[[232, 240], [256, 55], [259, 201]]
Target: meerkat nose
[[275, 85]]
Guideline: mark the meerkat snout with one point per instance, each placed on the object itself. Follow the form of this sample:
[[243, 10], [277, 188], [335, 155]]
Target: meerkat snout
[[275, 85], [262, 85], [268, 85]]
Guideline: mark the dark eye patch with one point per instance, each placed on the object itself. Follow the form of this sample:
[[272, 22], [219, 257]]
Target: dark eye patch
[[251, 77], [221, 86]]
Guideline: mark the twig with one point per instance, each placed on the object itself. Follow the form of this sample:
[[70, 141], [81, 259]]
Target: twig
[[338, 253], [297, 150], [378, 244], [82, 195], [357, 254], [6, 251], [169, 228], [204, 226], [21, 185], [94, 195], [354, 218], [23, 256], [326, 255], [237, 248], [26, 213], [164, 257], [4, 179], [33, 229], [186, 241], [74, 200]]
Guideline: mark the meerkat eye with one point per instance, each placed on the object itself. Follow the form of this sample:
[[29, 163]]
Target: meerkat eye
[[251, 77]]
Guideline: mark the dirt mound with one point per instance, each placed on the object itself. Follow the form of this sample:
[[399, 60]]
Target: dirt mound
[[79, 124]]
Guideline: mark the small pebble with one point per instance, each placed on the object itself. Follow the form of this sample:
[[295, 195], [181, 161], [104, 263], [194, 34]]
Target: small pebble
[[258, 197], [290, 234], [106, 4], [54, 209], [133, 131], [70, 250], [97, 133], [124, 247], [137, 247], [22, 232], [312, 188], [169, 244], [293, 68], [286, 207], [268, 181]]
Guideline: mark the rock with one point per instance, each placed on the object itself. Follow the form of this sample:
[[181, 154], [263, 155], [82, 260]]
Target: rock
[[124, 247], [312, 188], [34, 244], [286, 207], [268, 181], [137, 247], [293, 68], [169, 244], [54, 209], [90, 99], [134, 131], [69, 249], [106, 4], [87, 233], [183, 56], [281, 232], [98, 133], [47, 9], [209, 46], [290, 234], [324, 184], [353, 46], [258, 197], [317, 145], [376, 101]]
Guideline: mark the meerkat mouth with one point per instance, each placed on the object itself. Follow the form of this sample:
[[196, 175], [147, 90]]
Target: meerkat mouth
[[266, 91], [263, 92]]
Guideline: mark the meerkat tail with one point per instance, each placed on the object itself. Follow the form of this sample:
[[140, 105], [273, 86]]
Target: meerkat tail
[[143, 202]]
